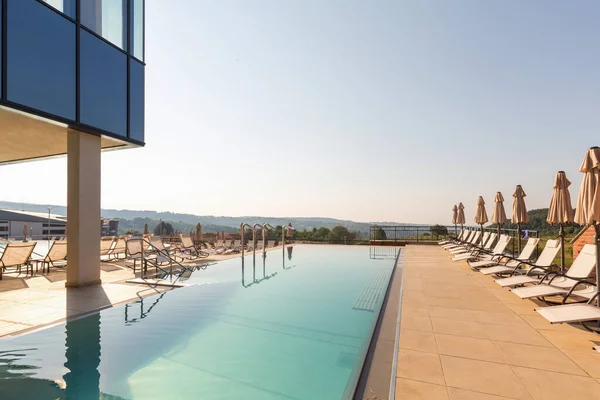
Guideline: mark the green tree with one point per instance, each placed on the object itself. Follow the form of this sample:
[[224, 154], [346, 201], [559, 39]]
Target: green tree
[[379, 233], [340, 233], [165, 227], [321, 234], [438, 230]]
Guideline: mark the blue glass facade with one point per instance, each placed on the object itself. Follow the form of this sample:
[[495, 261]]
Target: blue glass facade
[[57, 66]]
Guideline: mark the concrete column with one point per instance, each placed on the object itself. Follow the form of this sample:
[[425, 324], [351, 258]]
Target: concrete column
[[83, 209]]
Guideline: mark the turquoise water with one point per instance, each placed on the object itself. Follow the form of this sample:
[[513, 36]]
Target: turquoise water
[[294, 327]]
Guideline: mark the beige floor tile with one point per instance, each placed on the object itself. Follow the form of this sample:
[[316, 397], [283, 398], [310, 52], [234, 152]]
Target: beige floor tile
[[491, 306], [572, 341], [546, 358], [408, 389], [417, 340], [461, 394], [589, 361], [446, 302], [457, 314], [482, 376], [459, 346], [540, 323], [420, 366], [544, 385], [498, 318], [446, 293], [460, 328], [420, 323], [418, 311], [525, 308], [516, 334]]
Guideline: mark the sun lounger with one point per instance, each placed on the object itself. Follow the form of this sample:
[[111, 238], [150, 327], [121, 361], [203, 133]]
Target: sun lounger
[[106, 245], [16, 255], [477, 251], [505, 262], [467, 237], [187, 246], [463, 234], [486, 255], [526, 272], [119, 249], [471, 245], [564, 284], [156, 245], [56, 253], [569, 313]]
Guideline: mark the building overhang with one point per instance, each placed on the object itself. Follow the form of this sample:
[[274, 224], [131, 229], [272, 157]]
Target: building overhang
[[27, 137]]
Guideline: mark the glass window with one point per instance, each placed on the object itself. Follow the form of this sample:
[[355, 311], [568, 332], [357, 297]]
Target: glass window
[[64, 6], [107, 19], [137, 29]]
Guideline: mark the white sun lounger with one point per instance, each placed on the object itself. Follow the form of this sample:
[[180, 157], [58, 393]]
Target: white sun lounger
[[493, 256], [495, 266], [468, 236], [525, 272], [479, 251], [554, 283], [569, 313], [458, 238], [464, 247]]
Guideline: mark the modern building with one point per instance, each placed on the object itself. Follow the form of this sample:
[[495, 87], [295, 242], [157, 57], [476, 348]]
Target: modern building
[[72, 82], [109, 227], [39, 225]]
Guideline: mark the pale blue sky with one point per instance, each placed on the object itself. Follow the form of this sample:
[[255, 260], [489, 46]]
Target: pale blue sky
[[372, 111]]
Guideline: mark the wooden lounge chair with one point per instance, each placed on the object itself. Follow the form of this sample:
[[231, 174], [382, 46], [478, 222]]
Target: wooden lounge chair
[[57, 253], [505, 263], [17, 255]]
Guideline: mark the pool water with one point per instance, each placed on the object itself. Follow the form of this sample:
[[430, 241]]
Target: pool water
[[294, 325]]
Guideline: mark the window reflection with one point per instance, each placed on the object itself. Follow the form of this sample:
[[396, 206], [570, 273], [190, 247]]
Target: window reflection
[[106, 18], [137, 29], [64, 6]]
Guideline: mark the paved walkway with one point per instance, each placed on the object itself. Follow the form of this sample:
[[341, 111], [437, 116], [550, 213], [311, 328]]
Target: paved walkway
[[464, 337]]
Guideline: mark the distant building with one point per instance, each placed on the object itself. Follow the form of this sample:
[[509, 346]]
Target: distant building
[[109, 227], [39, 225]]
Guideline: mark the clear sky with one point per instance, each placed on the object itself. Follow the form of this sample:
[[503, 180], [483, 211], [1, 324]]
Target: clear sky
[[371, 111]]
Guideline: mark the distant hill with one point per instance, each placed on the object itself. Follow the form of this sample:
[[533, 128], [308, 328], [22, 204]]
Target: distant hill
[[135, 219], [537, 222]]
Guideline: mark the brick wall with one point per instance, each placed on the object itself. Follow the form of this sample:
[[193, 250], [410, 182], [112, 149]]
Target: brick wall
[[586, 238]]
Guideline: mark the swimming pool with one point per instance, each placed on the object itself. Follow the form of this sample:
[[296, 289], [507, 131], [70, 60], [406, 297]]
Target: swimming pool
[[295, 325]]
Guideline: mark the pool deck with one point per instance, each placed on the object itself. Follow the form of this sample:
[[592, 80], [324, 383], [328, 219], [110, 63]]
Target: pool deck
[[464, 337], [32, 302]]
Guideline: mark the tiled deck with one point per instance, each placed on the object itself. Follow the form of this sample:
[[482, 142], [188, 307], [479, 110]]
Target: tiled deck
[[464, 337], [30, 302]]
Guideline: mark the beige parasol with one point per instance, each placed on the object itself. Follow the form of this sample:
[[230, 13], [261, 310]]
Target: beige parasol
[[198, 232], [146, 232], [588, 201], [499, 215], [454, 218], [460, 219], [26, 231], [481, 215], [560, 211], [519, 211]]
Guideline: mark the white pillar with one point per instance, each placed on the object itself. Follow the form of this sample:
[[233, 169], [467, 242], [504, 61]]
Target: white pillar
[[83, 209]]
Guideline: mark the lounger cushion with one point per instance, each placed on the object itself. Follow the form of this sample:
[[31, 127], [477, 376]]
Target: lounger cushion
[[570, 313], [516, 280]]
